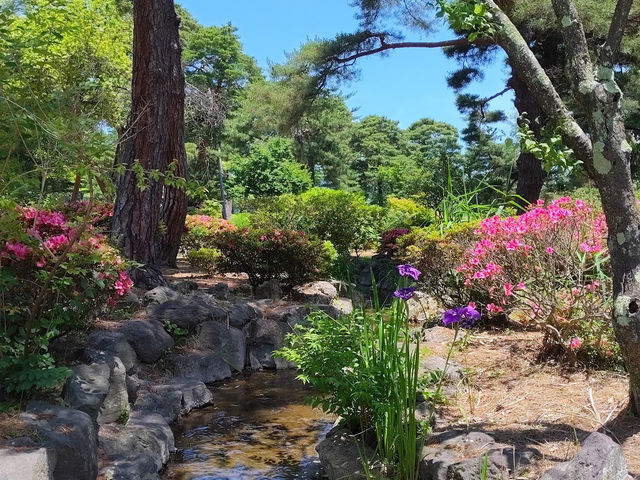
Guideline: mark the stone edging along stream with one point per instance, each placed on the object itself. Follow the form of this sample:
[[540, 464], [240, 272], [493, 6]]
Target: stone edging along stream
[[115, 422]]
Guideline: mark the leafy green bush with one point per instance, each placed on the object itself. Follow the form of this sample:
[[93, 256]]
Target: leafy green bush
[[55, 274], [287, 255], [406, 213], [205, 259], [437, 257], [345, 219]]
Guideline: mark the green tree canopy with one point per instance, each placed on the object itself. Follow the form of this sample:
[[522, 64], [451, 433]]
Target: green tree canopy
[[269, 170]]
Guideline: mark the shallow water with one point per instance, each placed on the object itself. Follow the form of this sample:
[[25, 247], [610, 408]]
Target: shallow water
[[259, 428]]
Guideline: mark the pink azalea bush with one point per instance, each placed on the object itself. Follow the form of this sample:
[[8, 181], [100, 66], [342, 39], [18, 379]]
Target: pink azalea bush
[[56, 273], [200, 231], [548, 268]]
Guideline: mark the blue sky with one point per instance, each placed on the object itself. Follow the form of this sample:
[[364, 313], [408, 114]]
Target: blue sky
[[404, 85]]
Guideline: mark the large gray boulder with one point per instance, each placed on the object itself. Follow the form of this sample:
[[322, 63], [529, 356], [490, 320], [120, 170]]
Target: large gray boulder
[[341, 456], [173, 399], [36, 463], [87, 388], [116, 402], [115, 343], [243, 312], [265, 336], [189, 311], [148, 338], [99, 390], [160, 295], [165, 402], [204, 366], [70, 434], [144, 434], [600, 458], [228, 342], [318, 293]]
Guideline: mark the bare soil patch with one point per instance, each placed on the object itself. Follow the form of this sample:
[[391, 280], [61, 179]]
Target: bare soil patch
[[545, 408]]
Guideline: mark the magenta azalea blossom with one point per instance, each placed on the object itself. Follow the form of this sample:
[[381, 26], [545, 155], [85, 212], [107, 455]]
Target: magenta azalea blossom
[[465, 316], [404, 293], [409, 271]]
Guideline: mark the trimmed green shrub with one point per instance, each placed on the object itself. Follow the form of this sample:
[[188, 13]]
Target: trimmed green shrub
[[287, 255], [205, 259]]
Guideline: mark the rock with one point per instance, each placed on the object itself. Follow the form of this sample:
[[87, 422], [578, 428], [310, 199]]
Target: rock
[[148, 338], [340, 456], [437, 334], [320, 293], [130, 300], [423, 308], [165, 402], [188, 312], [26, 464], [453, 373], [460, 455], [205, 366], [98, 388], [194, 395], [228, 342], [160, 295], [147, 277], [343, 305], [144, 434], [293, 315], [177, 397], [70, 434], [220, 291], [184, 287], [133, 385], [139, 467], [242, 312], [265, 336], [87, 388], [270, 289], [266, 330], [115, 343], [600, 458]]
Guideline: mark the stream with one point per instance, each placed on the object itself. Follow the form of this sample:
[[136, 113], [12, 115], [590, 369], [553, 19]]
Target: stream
[[258, 428]]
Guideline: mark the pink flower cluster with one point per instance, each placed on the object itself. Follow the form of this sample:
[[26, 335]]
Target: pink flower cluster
[[209, 223], [47, 234], [541, 229], [123, 284]]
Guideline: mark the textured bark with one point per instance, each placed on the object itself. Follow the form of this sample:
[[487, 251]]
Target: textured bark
[[530, 174], [148, 223], [605, 153]]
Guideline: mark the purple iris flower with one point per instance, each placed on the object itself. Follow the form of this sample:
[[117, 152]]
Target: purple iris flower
[[404, 293], [409, 271], [465, 316]]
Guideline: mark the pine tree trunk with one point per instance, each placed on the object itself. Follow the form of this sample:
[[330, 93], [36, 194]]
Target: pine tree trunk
[[148, 222], [530, 174]]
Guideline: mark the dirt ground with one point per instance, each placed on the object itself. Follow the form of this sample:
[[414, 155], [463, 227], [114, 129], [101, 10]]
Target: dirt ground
[[544, 408]]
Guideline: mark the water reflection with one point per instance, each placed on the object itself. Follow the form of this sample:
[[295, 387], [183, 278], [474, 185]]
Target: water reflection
[[258, 429]]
